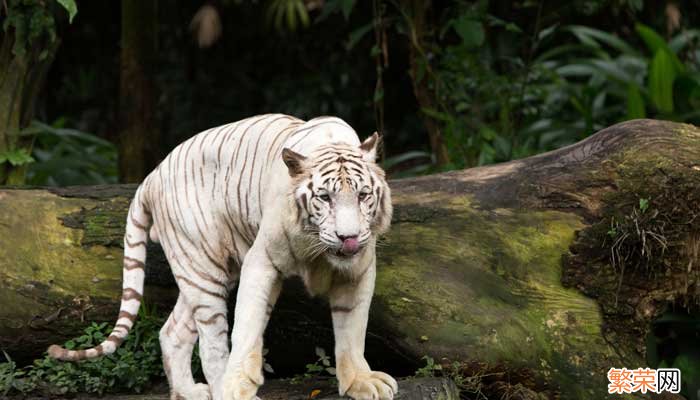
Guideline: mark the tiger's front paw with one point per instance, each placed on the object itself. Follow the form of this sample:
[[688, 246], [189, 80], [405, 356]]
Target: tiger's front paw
[[199, 391], [242, 380], [372, 385]]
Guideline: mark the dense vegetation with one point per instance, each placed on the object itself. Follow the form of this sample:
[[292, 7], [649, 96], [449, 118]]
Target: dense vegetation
[[133, 367], [450, 84]]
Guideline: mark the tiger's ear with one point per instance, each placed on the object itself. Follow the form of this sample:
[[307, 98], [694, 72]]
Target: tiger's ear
[[369, 148], [294, 162]]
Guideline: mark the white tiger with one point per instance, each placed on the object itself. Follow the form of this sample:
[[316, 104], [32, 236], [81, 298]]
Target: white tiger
[[256, 201]]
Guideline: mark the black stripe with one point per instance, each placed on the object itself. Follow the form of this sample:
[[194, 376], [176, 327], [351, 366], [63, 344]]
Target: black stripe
[[132, 245], [342, 309], [212, 319], [203, 290], [132, 263]]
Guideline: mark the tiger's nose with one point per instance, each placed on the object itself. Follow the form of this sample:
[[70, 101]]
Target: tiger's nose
[[350, 244]]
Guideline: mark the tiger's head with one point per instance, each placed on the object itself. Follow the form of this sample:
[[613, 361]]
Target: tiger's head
[[342, 198]]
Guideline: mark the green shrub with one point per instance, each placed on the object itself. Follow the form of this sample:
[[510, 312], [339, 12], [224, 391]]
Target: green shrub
[[65, 156], [135, 365]]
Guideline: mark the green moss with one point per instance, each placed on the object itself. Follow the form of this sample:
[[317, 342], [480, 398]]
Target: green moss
[[49, 276], [103, 224], [486, 285], [644, 223], [44, 250]]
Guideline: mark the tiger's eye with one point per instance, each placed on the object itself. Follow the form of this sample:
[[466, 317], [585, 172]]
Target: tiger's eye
[[363, 195], [325, 197]]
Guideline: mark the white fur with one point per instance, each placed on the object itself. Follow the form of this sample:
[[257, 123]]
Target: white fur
[[225, 207]]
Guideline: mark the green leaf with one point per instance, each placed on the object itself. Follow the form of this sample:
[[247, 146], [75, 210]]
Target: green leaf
[[678, 42], [661, 77], [592, 37], [613, 70], [509, 26], [415, 156], [357, 35], [441, 116], [71, 7], [643, 205], [303, 14], [291, 18], [655, 43], [347, 6], [16, 157], [471, 31], [333, 6], [544, 33], [635, 103]]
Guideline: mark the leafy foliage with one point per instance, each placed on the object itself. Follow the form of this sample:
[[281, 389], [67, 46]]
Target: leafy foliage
[[133, 366], [287, 14], [70, 7], [320, 367], [672, 343], [469, 381], [430, 368], [70, 157], [32, 20], [333, 6], [16, 157], [504, 91], [653, 84]]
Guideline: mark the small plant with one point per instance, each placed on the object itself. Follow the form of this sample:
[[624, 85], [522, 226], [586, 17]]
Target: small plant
[[266, 366], [469, 380], [643, 205], [431, 369], [16, 158], [637, 236], [470, 385], [318, 368], [11, 378]]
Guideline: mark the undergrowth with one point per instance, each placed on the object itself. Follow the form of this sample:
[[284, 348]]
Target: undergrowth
[[319, 368], [131, 368], [470, 384], [653, 224]]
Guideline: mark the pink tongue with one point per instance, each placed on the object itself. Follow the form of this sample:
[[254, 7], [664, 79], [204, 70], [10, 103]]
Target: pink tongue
[[350, 246]]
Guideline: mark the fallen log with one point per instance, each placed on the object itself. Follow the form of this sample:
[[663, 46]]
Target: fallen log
[[527, 272]]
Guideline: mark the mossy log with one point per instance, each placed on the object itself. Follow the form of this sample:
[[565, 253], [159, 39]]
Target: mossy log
[[504, 269]]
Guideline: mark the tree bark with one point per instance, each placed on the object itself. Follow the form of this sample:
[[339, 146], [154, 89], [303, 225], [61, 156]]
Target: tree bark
[[420, 41], [139, 136], [503, 269], [22, 76]]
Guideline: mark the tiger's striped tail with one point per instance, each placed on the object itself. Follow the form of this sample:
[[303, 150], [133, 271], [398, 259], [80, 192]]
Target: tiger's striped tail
[[135, 240]]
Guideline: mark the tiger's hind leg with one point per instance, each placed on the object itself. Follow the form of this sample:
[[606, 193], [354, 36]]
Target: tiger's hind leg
[[177, 339], [209, 314]]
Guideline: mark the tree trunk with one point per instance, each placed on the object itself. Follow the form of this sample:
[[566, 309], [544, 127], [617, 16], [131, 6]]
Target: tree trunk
[[504, 269], [22, 76], [420, 41], [139, 136]]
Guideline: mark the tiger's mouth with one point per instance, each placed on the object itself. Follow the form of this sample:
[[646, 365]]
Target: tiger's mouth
[[338, 252]]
